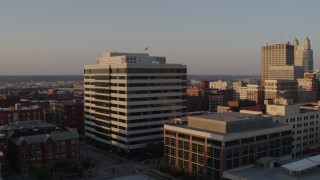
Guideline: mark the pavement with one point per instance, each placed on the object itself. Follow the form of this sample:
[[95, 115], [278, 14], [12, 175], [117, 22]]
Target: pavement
[[110, 166]]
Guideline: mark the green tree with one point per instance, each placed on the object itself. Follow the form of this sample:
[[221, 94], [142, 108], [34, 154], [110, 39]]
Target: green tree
[[40, 172]]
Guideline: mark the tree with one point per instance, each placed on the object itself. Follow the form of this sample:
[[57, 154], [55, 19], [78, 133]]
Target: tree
[[85, 162], [40, 172]]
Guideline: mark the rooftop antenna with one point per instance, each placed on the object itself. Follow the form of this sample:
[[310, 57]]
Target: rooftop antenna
[[281, 35]]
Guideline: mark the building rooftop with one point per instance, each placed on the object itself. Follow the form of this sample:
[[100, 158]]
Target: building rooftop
[[41, 138], [221, 136], [26, 125], [278, 173], [230, 116]]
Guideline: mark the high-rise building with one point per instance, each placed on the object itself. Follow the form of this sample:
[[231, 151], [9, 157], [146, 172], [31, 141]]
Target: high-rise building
[[277, 54], [303, 54], [129, 96]]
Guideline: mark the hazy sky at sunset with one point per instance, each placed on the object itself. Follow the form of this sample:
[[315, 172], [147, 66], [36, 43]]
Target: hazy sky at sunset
[[211, 37]]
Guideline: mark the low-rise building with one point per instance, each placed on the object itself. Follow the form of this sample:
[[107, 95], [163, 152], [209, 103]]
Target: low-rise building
[[36, 142], [218, 85], [3, 156], [70, 114], [308, 88], [305, 122], [211, 144], [287, 89], [19, 113], [255, 92]]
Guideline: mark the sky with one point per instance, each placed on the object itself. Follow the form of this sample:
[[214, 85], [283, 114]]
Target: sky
[[210, 37]]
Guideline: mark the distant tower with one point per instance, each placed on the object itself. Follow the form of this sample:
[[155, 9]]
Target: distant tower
[[303, 54], [307, 44], [295, 42]]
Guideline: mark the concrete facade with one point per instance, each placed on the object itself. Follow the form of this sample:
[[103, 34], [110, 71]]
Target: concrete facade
[[286, 72], [304, 121], [303, 54], [212, 144], [275, 89], [129, 96], [218, 85], [255, 92]]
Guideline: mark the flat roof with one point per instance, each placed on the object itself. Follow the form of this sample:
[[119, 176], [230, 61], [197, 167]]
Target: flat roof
[[277, 173], [228, 116], [303, 165], [205, 133]]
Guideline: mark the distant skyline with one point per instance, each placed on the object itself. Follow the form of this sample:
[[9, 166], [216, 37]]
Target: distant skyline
[[210, 37]]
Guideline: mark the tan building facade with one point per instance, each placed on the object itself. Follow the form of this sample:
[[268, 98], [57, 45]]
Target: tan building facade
[[285, 72], [129, 96], [218, 85], [305, 124], [303, 54], [255, 92], [308, 88], [287, 89], [277, 54]]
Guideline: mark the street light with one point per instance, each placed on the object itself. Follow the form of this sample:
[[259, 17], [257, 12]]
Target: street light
[[1, 154]]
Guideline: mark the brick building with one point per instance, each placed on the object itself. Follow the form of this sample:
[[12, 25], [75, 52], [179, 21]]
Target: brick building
[[70, 114], [36, 142], [9, 100], [3, 156], [19, 113]]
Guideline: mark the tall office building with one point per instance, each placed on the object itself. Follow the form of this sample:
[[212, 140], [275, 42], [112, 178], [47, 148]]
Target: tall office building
[[303, 54], [129, 96], [275, 55]]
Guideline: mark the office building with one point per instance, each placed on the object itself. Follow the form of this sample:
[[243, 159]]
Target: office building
[[215, 99], [308, 88], [286, 72], [275, 89], [129, 96], [277, 54], [218, 84], [194, 99], [239, 90], [304, 120], [303, 54], [255, 92], [211, 144]]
